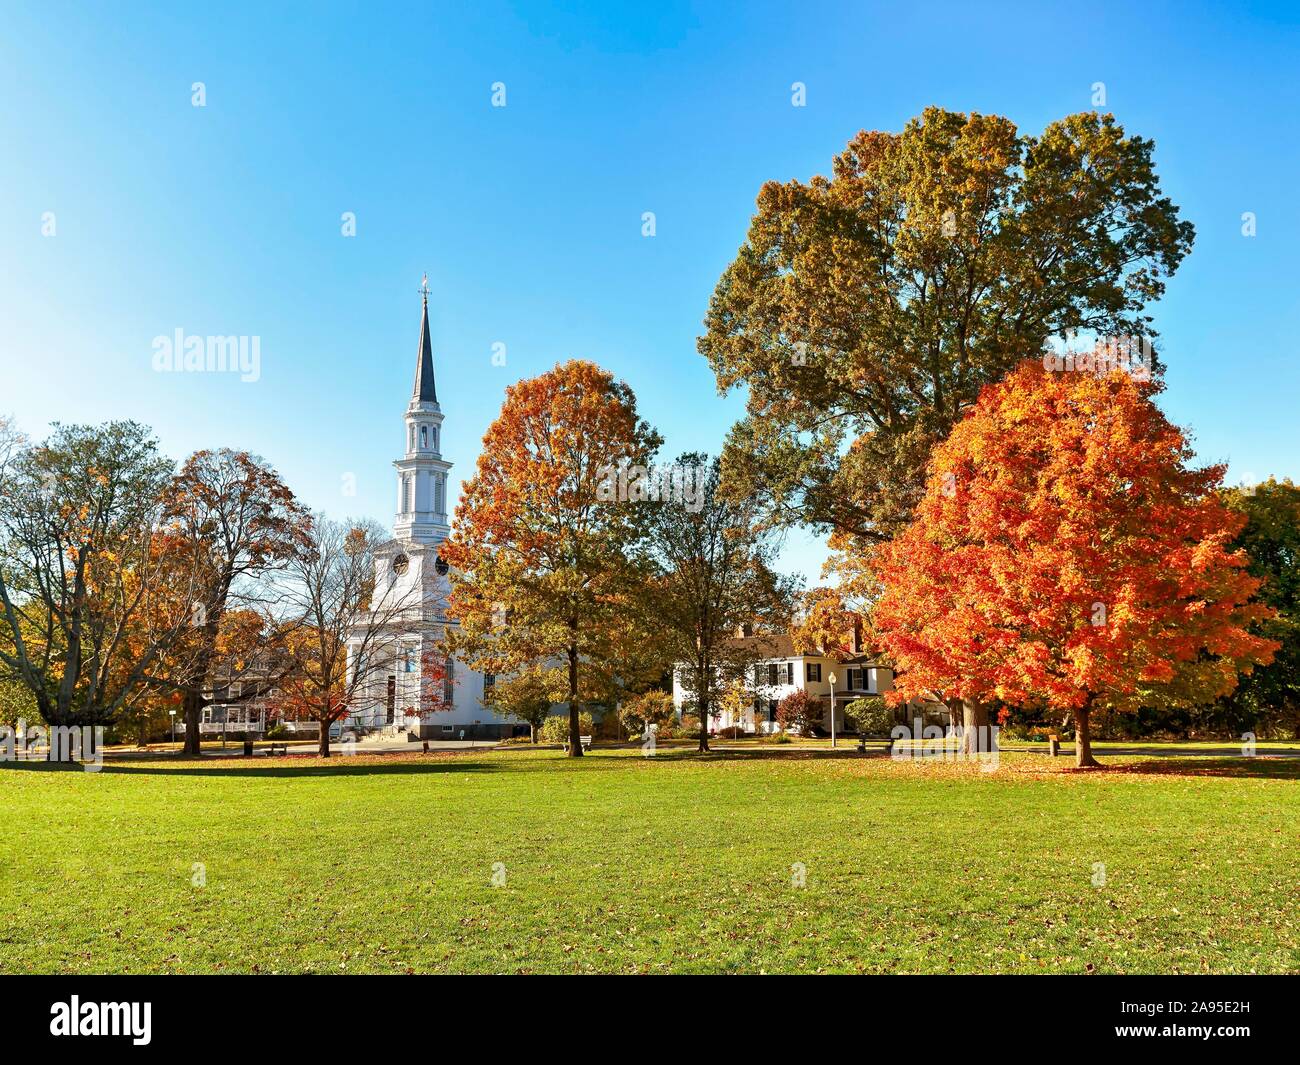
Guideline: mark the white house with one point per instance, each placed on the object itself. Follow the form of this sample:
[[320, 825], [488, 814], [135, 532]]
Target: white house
[[780, 670], [411, 589]]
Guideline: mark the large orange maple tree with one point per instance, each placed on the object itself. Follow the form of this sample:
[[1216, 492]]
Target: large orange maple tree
[[545, 569], [1065, 555]]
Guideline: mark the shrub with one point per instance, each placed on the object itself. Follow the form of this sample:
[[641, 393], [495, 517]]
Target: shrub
[[798, 712], [648, 708], [1018, 730], [278, 731], [608, 727], [869, 716], [555, 729], [690, 727]]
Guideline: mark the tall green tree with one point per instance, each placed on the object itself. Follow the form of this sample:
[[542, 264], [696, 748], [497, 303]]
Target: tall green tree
[[1268, 699], [865, 310], [90, 597], [715, 576]]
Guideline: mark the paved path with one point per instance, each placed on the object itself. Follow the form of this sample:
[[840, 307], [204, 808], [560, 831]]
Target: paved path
[[400, 744]]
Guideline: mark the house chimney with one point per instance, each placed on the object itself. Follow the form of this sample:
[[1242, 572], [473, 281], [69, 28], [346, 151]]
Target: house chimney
[[857, 636], [744, 630]]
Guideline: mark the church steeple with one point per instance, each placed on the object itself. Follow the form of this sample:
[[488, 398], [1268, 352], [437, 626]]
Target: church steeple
[[422, 471], [425, 390]]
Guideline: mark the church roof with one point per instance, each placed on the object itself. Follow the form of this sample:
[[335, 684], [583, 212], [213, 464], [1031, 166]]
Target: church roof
[[424, 391]]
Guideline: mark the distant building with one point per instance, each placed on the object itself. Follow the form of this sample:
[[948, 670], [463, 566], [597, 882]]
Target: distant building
[[781, 670], [395, 697]]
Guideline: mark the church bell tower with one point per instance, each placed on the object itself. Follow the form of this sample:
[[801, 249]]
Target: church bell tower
[[421, 472]]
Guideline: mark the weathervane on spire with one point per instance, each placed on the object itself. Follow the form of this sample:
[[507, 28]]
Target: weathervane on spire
[[424, 287]]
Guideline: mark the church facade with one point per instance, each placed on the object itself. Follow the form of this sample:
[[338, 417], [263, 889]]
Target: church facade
[[395, 643]]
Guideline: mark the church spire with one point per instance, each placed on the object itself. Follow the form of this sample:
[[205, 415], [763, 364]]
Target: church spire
[[425, 391], [422, 471]]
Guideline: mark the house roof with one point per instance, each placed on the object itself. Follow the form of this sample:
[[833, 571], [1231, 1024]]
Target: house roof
[[781, 645], [425, 390], [775, 645]]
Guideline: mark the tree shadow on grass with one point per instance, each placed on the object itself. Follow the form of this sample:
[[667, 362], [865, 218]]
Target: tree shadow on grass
[[760, 754], [306, 767], [1260, 767], [331, 768]]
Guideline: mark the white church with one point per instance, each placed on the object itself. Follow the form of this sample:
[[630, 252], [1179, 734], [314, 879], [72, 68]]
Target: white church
[[410, 597]]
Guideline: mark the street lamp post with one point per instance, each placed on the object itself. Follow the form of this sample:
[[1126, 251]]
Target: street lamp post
[[173, 716], [831, 677]]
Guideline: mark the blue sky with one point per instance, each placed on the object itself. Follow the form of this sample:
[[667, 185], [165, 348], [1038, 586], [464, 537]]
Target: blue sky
[[226, 219]]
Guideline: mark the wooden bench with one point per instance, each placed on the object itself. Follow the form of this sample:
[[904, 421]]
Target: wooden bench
[[584, 740], [270, 750]]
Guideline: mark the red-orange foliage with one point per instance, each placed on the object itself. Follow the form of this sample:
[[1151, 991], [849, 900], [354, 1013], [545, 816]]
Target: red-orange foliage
[[543, 566], [798, 712], [1065, 555]]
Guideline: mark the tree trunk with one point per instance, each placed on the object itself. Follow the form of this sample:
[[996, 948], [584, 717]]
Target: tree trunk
[[575, 726], [702, 700], [323, 748], [974, 717], [193, 714], [532, 732], [1083, 758], [200, 671]]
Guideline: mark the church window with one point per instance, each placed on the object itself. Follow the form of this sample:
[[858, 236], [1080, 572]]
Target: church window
[[410, 438], [406, 495], [408, 660], [424, 436], [449, 683]]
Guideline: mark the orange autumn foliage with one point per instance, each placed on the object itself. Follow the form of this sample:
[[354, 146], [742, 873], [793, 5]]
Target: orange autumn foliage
[[1065, 555], [543, 566]]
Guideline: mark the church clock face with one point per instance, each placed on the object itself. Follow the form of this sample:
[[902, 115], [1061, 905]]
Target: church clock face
[[401, 564], [440, 564]]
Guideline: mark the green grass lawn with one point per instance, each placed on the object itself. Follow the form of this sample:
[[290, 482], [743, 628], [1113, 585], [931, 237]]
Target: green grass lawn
[[678, 863]]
